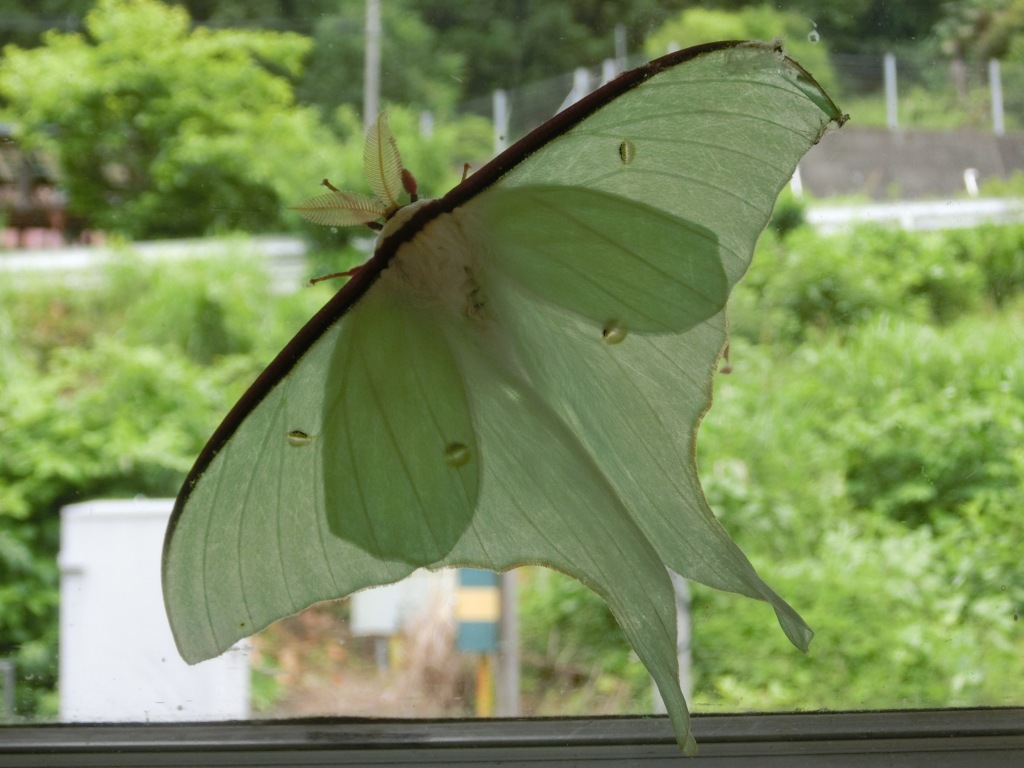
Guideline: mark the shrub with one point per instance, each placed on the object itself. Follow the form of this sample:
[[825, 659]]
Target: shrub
[[110, 391]]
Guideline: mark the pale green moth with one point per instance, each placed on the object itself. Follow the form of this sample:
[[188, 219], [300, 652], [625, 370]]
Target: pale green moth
[[518, 373]]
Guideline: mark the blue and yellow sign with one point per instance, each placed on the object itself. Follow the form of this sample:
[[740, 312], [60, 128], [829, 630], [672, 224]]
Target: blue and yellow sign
[[477, 611]]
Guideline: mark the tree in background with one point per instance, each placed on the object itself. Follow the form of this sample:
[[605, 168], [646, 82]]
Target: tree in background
[[852, 26], [417, 69], [762, 22], [110, 388], [438, 53], [23, 21], [165, 130], [982, 29], [285, 15], [507, 44]]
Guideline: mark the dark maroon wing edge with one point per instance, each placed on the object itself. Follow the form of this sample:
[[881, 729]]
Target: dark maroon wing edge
[[354, 289]]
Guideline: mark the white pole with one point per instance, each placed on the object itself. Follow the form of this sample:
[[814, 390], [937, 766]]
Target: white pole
[[995, 84], [371, 73], [609, 70], [620, 47], [797, 184], [426, 123], [507, 704], [890, 92], [7, 677], [580, 87], [499, 106]]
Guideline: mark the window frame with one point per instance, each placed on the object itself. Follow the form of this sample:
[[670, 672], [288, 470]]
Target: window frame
[[946, 738]]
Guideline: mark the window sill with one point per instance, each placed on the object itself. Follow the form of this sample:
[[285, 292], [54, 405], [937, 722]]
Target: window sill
[[936, 739]]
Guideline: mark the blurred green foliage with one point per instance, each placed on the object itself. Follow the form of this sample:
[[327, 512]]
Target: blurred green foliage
[[753, 22], [533, 39], [110, 390], [806, 285], [874, 476], [575, 658], [867, 453], [416, 67], [161, 129], [437, 53], [167, 128]]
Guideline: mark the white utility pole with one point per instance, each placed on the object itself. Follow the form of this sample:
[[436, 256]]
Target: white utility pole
[[371, 73]]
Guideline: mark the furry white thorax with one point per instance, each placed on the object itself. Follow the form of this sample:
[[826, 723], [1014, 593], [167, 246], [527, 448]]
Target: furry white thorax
[[438, 267]]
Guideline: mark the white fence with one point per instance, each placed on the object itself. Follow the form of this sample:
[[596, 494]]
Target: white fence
[[937, 214], [980, 95]]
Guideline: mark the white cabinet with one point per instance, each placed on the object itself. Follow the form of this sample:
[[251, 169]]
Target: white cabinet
[[118, 661]]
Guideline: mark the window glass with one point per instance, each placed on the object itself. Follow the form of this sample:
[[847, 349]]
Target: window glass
[[864, 449]]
